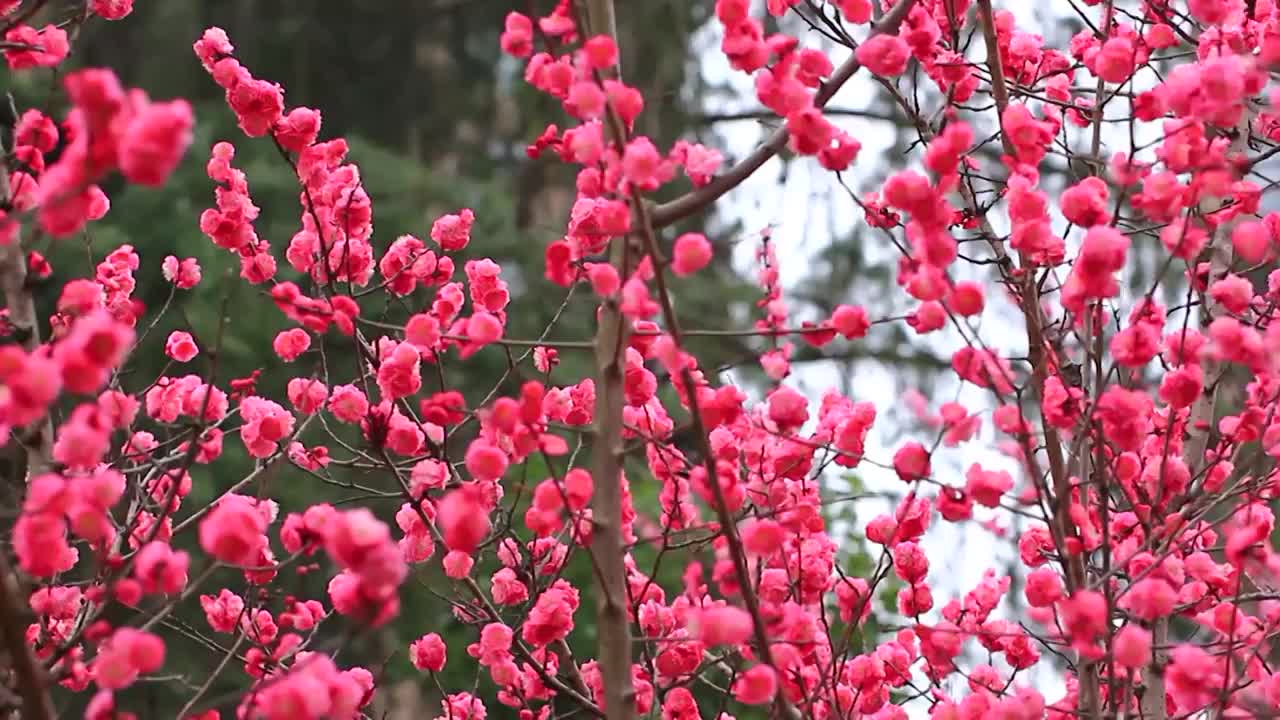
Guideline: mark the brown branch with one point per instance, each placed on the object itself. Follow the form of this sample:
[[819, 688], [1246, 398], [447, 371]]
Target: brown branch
[[607, 547], [999, 91], [36, 704], [686, 205], [709, 118], [1076, 574], [728, 526], [37, 439]]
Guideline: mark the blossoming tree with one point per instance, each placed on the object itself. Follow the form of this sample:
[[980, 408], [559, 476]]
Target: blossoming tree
[[1144, 434]]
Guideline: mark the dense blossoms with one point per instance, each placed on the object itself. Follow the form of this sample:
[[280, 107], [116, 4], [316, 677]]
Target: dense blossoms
[[1111, 432]]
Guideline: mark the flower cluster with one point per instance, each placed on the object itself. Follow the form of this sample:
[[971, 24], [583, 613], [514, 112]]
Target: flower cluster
[[1132, 437]]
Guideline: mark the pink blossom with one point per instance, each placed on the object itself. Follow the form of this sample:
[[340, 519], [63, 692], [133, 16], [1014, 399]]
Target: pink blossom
[[234, 531], [400, 374], [127, 654], [1193, 677], [298, 129], [1084, 618], [37, 130], [51, 41], [691, 253], [485, 461], [987, 486], [788, 408], [762, 537], [1133, 647], [1085, 203], [700, 162], [604, 279], [1149, 599], [181, 346], [756, 686], [223, 611], [258, 104], [885, 55], [111, 9], [1115, 60], [967, 299], [725, 625], [483, 329], [463, 519], [517, 38], [644, 167], [361, 545], [184, 273], [1043, 588], [265, 424], [909, 562], [1251, 240], [348, 403], [1210, 12], [428, 653], [810, 132], [551, 618], [850, 321], [508, 589], [422, 331], [1029, 137], [307, 395], [856, 11], [289, 344], [1233, 292], [453, 232], [160, 569], [911, 462], [154, 142]]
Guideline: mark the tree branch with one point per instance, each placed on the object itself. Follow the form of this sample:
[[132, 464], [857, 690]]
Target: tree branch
[[686, 205], [36, 704], [709, 118], [1073, 564], [607, 547], [38, 439]]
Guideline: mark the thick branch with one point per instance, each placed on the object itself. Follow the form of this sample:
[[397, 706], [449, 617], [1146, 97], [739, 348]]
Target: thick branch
[[728, 526], [686, 205], [1076, 575], [607, 547], [36, 704], [999, 91], [21, 305]]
